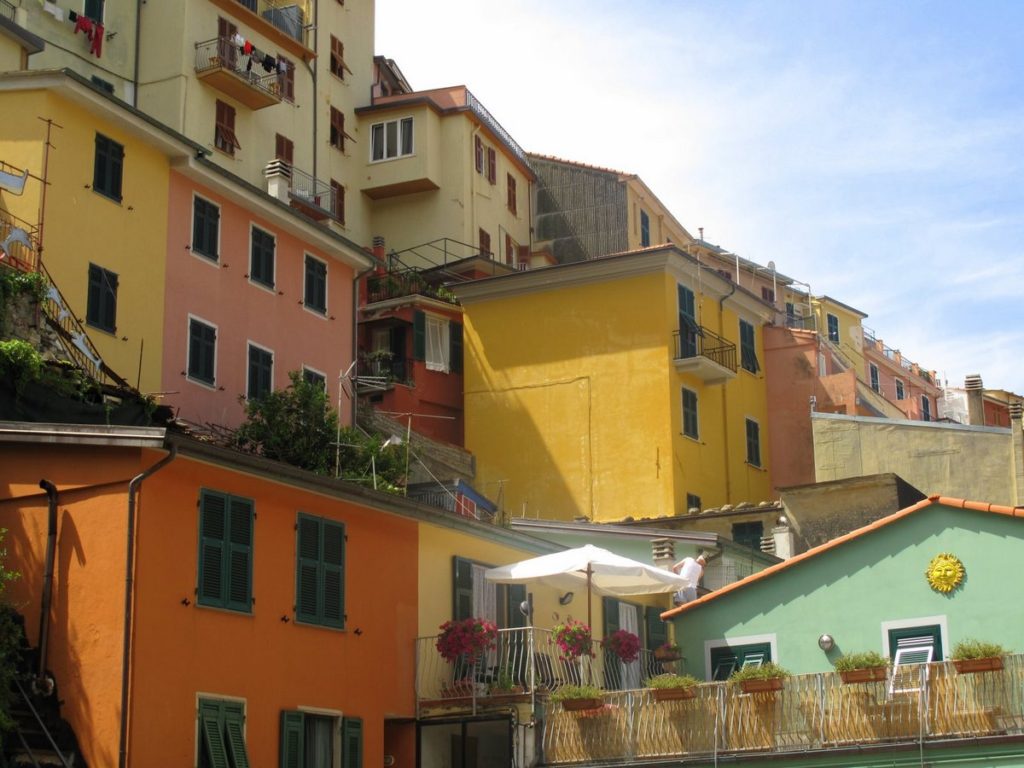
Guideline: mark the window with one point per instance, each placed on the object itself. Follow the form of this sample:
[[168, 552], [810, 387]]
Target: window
[[286, 78], [225, 551], [315, 295], [338, 65], [338, 134], [693, 502], [320, 572], [688, 328], [93, 9], [753, 443], [485, 243], [202, 351], [205, 228], [437, 342], [768, 295], [511, 183], [101, 307], [222, 734], [748, 534], [339, 201], [108, 167], [510, 250], [748, 351], [224, 137], [910, 647], [690, 428], [391, 139], [284, 149], [926, 408], [873, 373], [474, 596], [104, 84], [492, 166], [833, 328], [645, 229], [261, 262], [261, 372], [314, 377], [478, 154], [728, 658], [308, 740], [901, 394]]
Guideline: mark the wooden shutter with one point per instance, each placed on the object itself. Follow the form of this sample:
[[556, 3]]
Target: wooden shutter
[[308, 569], [478, 153], [240, 554], [516, 596], [512, 203], [212, 525], [352, 742], [657, 630], [213, 734], [333, 564], [611, 614], [234, 722], [462, 588], [419, 335], [292, 733], [455, 347], [116, 169], [284, 148], [492, 165]]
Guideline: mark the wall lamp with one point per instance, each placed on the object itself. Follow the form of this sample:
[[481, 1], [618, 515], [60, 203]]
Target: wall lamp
[[565, 599], [826, 642]]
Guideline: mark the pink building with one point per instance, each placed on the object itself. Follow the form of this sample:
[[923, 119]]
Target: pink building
[[912, 389]]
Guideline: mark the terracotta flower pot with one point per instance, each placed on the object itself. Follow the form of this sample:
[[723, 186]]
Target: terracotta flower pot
[[581, 705], [969, 666], [673, 694], [661, 655], [868, 675], [760, 686]]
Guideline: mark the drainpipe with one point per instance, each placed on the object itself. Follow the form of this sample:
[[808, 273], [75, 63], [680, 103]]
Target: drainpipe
[[138, 43], [133, 488], [43, 683], [316, 40], [725, 407]]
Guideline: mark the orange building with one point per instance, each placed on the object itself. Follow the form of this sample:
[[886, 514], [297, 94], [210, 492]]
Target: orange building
[[268, 612]]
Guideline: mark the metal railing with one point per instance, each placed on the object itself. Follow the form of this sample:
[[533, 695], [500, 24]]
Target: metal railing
[[408, 282], [495, 127], [19, 242], [289, 17], [917, 703], [221, 53], [387, 368], [7, 10], [313, 191], [803, 322], [704, 343]]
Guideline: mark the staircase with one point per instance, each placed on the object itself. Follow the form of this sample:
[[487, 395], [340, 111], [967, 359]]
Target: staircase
[[39, 736]]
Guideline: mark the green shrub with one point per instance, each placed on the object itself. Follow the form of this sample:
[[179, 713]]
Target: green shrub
[[977, 649], [672, 681], [11, 641], [576, 692], [767, 671], [863, 660], [20, 363]]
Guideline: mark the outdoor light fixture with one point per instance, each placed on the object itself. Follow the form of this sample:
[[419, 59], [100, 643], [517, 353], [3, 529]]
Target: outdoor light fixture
[[826, 642], [565, 599]]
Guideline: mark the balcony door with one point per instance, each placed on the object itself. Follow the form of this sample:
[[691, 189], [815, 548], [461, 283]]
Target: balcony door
[[688, 328]]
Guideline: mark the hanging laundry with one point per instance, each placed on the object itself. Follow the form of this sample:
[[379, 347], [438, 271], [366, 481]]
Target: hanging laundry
[[97, 40], [282, 66], [54, 10], [82, 24], [269, 63], [72, 16], [247, 48], [238, 40]]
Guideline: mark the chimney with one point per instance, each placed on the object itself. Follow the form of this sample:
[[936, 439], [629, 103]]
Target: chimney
[[378, 248], [785, 540], [975, 400], [1017, 448], [279, 179], [663, 552]]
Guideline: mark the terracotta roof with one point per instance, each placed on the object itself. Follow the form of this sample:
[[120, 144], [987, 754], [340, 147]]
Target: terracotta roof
[[577, 164], [977, 506]]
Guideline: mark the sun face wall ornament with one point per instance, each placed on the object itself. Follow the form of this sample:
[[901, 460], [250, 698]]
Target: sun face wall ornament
[[945, 572]]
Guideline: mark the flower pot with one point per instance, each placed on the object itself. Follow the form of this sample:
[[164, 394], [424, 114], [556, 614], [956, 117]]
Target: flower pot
[[868, 675], [759, 686], [673, 694], [581, 705], [969, 666], [661, 655]]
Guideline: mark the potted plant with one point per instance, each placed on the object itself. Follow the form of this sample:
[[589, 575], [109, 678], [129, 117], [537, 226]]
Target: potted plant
[[467, 639], [756, 679], [504, 685], [573, 639], [624, 644], [667, 652], [865, 667], [577, 698], [670, 687], [977, 656]]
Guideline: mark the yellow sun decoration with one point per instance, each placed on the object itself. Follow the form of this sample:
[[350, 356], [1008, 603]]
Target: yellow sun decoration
[[945, 572]]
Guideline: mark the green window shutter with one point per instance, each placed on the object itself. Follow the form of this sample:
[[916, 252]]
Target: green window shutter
[[292, 731], [455, 347], [333, 574], [657, 630], [307, 607], [419, 336], [239, 595], [212, 529], [234, 727], [462, 593], [210, 718], [352, 742], [516, 596], [611, 615]]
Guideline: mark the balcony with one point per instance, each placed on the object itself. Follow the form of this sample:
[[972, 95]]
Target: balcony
[[219, 63], [704, 354], [314, 197], [928, 702], [381, 369], [398, 284]]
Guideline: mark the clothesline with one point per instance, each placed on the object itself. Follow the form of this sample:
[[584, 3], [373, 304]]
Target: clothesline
[[269, 62]]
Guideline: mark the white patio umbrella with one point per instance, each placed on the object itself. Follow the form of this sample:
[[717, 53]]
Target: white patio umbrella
[[599, 570]]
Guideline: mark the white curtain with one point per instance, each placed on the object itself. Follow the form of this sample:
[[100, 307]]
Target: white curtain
[[629, 620]]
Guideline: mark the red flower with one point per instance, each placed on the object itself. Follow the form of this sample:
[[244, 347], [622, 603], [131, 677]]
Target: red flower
[[469, 637], [623, 644]]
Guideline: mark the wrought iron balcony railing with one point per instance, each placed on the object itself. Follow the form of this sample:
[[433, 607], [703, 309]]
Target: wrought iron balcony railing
[[698, 341], [221, 54], [288, 17]]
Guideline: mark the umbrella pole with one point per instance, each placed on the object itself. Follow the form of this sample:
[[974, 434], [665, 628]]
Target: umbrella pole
[[590, 600]]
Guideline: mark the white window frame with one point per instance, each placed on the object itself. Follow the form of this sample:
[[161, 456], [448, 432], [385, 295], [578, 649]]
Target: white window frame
[[923, 621], [874, 378], [337, 715], [199, 724], [926, 409], [901, 392], [441, 326], [771, 639], [839, 331], [383, 125]]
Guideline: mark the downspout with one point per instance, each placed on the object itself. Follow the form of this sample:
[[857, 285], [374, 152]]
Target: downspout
[[316, 97], [138, 39], [133, 488], [42, 683], [355, 337], [725, 406]]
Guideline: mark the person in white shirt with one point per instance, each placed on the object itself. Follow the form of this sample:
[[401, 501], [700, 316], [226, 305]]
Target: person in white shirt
[[691, 569]]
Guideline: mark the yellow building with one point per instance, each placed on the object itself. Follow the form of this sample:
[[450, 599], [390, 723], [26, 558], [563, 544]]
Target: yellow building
[[440, 166], [632, 386]]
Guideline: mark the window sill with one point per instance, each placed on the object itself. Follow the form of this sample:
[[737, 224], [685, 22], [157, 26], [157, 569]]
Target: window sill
[[392, 159], [109, 331], [269, 288], [691, 438], [204, 384], [316, 625], [322, 314], [111, 198], [222, 609], [757, 467]]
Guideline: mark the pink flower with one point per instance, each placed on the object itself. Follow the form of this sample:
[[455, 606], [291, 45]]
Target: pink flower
[[468, 637], [623, 644]]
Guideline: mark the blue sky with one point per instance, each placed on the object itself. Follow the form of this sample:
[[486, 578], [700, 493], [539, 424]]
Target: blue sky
[[873, 150]]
